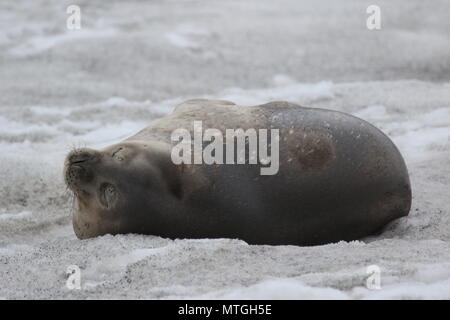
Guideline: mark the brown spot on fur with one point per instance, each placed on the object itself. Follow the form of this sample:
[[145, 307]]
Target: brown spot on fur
[[315, 150]]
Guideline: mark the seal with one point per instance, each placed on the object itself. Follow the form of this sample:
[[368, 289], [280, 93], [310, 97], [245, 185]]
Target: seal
[[339, 178]]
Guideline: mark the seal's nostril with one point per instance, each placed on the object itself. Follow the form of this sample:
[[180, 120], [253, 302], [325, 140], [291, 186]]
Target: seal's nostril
[[77, 161], [79, 156]]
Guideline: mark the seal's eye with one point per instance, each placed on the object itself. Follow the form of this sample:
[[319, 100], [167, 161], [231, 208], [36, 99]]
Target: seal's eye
[[108, 195], [116, 154]]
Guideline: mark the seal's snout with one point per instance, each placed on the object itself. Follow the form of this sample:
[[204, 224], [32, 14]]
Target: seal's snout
[[75, 175], [77, 170]]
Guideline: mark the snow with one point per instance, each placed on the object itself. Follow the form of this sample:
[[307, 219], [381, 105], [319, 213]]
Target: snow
[[184, 36], [278, 289], [61, 89], [19, 215], [307, 93], [40, 44]]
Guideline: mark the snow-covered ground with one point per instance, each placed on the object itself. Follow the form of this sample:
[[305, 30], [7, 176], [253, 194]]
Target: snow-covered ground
[[133, 61]]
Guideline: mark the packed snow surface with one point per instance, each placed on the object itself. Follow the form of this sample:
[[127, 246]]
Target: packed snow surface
[[133, 61]]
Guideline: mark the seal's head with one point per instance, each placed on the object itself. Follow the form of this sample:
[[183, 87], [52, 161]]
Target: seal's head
[[120, 188]]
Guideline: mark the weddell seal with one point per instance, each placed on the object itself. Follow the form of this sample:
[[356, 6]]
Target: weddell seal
[[337, 177]]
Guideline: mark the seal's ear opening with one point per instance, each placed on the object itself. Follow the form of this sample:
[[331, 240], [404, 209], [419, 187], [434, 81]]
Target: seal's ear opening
[[107, 195]]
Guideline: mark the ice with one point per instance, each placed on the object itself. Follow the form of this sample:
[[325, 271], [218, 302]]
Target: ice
[[18, 215], [278, 289], [411, 290], [297, 92], [132, 62], [184, 37], [372, 112], [283, 80], [40, 44]]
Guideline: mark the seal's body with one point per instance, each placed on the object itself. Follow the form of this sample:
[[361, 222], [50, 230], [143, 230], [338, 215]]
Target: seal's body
[[339, 178]]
